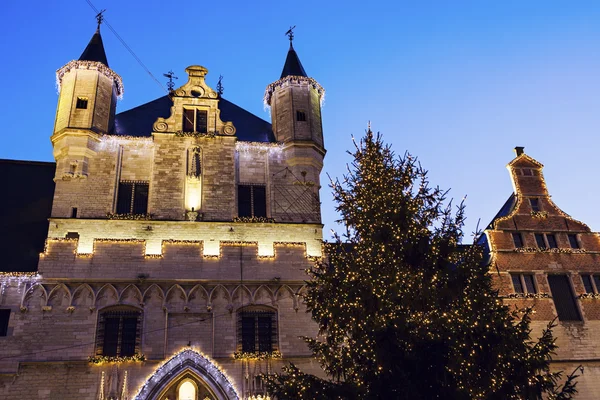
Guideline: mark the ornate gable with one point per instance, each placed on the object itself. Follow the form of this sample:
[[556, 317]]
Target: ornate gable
[[195, 110]]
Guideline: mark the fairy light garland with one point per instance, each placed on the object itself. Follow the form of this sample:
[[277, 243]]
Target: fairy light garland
[[90, 65], [289, 81], [199, 359], [20, 279], [130, 217], [556, 250], [258, 355], [100, 360]]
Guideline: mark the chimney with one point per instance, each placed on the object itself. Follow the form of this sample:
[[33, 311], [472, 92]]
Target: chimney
[[519, 150]]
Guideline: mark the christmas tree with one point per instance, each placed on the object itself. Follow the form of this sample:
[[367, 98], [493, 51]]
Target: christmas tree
[[404, 310]]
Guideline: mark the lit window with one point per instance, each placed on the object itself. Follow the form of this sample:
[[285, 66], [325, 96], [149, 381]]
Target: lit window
[[119, 332], [564, 299], [132, 197], [300, 116], [524, 283], [535, 204], [252, 201], [257, 330], [517, 239], [573, 241], [187, 391], [195, 120], [4, 317], [82, 102]]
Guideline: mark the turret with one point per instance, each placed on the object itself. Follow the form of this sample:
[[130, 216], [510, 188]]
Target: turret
[[295, 101], [88, 91]]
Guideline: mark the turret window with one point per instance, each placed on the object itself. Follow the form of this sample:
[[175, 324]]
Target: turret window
[[252, 201], [132, 197], [300, 116], [82, 102], [195, 120]]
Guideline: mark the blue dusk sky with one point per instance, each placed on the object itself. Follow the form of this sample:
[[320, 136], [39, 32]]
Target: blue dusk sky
[[457, 83]]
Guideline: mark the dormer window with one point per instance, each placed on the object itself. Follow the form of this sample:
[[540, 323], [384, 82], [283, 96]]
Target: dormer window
[[195, 120], [82, 102], [300, 116]]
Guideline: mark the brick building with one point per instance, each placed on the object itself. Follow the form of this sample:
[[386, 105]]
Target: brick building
[[177, 243], [539, 256], [173, 260]]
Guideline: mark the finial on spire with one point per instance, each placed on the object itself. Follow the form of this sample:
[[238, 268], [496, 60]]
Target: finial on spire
[[290, 34], [171, 76], [220, 87], [100, 17]]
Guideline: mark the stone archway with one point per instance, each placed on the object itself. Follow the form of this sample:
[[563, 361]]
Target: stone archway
[[187, 365]]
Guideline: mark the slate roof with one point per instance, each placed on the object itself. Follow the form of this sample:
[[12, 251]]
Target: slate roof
[[139, 120], [292, 65], [95, 50], [506, 209], [24, 212]]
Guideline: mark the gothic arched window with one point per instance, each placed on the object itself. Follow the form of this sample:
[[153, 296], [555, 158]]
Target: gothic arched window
[[187, 391], [119, 331]]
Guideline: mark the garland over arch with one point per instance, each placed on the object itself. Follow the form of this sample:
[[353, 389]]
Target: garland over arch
[[192, 361]]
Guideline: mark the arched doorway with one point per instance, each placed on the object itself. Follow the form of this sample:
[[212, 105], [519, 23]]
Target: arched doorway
[[187, 376]]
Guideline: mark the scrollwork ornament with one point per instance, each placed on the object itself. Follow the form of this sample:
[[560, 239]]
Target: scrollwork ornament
[[228, 129], [160, 126]]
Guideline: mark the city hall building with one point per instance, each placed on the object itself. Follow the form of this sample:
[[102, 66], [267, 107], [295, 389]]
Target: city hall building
[[163, 255]]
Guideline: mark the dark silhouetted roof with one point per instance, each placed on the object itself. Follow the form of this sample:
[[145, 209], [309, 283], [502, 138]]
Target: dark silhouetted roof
[[292, 65], [95, 50], [139, 120], [24, 211], [506, 209]]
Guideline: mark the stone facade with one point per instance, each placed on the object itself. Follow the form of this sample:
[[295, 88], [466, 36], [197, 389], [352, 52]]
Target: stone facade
[[532, 242], [188, 265], [191, 264]]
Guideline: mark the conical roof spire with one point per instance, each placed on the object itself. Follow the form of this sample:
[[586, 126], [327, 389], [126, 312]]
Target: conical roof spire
[[95, 49], [292, 65]]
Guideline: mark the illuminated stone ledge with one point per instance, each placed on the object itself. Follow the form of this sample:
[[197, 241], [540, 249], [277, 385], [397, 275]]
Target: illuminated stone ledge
[[210, 235]]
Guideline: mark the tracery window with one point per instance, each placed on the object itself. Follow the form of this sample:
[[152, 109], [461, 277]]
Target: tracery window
[[257, 330], [119, 332]]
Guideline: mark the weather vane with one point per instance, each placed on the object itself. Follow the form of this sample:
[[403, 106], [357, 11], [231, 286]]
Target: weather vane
[[220, 87], [290, 33], [171, 76], [100, 17]]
